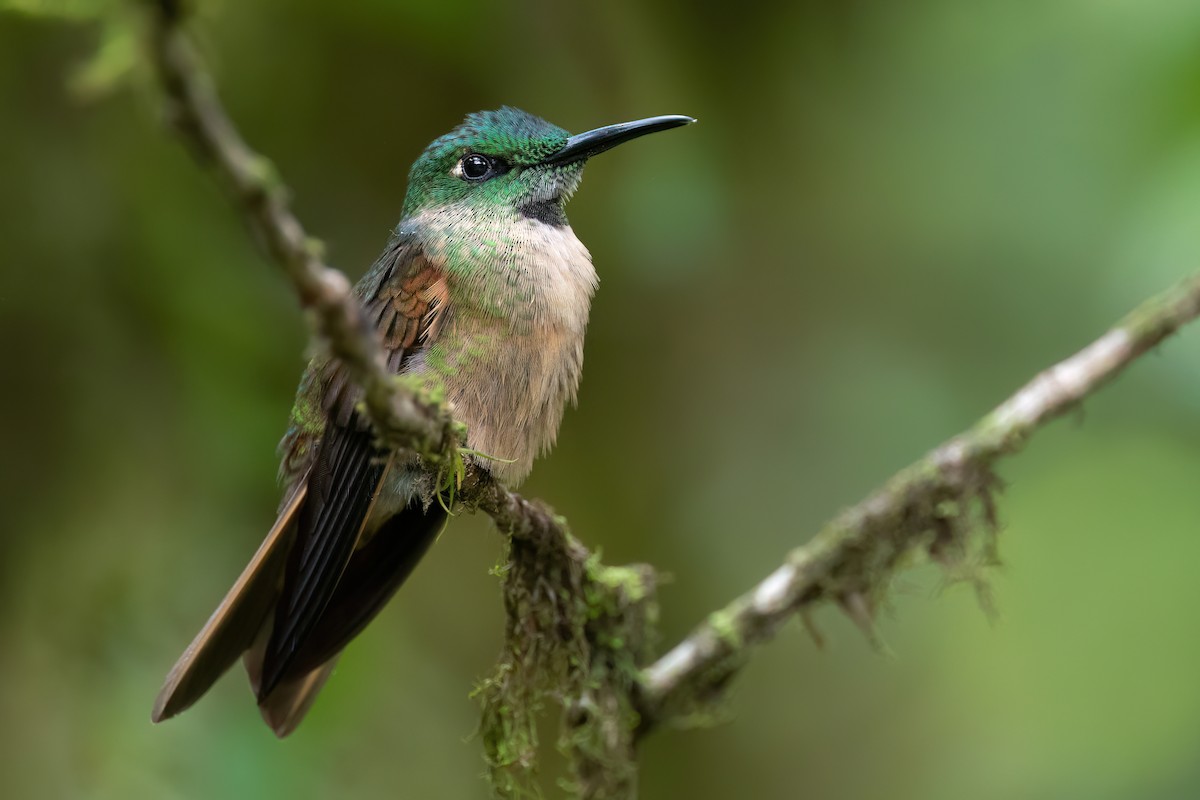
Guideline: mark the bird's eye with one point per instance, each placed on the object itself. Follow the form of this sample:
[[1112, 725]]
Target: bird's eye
[[475, 167]]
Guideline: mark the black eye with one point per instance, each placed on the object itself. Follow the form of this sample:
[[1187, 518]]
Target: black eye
[[476, 167]]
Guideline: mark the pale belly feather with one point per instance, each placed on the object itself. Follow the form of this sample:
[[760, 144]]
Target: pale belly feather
[[509, 354]]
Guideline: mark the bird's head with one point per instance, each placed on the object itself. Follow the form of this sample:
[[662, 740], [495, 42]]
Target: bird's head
[[511, 161]]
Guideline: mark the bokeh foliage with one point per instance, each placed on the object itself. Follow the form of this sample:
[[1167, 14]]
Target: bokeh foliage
[[889, 217]]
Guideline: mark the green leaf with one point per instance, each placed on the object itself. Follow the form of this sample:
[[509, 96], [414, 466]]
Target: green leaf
[[112, 63]]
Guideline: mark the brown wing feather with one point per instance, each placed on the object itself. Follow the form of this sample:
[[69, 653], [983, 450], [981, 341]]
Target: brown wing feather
[[342, 489], [404, 296], [233, 626], [376, 570]]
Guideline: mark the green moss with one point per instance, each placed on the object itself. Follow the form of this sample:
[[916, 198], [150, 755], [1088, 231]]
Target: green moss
[[576, 635], [629, 582], [1157, 317], [429, 389], [264, 173], [579, 630], [315, 248], [724, 625]]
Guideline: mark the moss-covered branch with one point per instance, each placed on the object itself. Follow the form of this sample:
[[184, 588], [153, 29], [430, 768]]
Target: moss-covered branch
[[578, 632], [929, 508], [195, 112]]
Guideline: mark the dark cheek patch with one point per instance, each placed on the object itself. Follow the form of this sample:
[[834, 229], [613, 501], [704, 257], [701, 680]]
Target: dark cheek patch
[[548, 211]]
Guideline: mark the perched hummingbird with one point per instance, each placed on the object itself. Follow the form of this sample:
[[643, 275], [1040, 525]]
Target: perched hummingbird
[[483, 290]]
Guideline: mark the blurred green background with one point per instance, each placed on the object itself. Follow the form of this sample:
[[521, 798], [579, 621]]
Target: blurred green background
[[889, 217]]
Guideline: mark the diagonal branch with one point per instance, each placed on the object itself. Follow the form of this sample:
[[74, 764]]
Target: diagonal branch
[[572, 619], [924, 507], [401, 417], [195, 112]]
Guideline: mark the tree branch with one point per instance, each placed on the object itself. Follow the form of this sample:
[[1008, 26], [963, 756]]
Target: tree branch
[[577, 630], [401, 417], [924, 507], [194, 110]]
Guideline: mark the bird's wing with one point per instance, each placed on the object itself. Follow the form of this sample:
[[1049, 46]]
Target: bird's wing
[[405, 296], [328, 462]]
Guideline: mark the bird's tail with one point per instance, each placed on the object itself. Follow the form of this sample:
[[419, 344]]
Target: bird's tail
[[284, 706], [234, 625], [375, 571]]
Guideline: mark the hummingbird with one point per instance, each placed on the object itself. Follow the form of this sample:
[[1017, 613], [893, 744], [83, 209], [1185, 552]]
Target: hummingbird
[[482, 291]]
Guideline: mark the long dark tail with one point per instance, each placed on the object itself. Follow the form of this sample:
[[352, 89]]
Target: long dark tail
[[375, 571]]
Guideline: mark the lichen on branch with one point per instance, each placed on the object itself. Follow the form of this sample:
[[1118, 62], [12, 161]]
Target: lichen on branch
[[942, 508]]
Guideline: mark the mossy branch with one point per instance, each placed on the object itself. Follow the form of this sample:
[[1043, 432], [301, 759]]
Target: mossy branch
[[195, 112], [929, 508], [579, 633]]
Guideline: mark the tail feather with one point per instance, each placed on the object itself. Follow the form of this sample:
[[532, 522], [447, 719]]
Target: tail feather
[[289, 701], [233, 626], [243, 623], [284, 706], [376, 570]]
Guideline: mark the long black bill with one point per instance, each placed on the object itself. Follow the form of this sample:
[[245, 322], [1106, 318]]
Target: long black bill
[[585, 145]]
